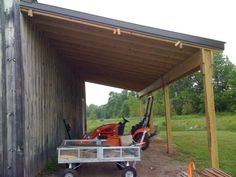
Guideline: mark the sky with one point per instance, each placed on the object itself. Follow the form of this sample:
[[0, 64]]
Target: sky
[[214, 19]]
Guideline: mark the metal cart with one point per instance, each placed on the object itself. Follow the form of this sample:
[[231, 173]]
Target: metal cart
[[75, 152]]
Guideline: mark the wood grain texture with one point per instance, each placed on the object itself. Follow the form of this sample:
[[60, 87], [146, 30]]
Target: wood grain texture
[[188, 66], [90, 45], [51, 88], [207, 72], [11, 124], [168, 120], [2, 95]]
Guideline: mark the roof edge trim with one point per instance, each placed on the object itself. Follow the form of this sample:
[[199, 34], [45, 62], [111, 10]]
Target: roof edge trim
[[154, 32]]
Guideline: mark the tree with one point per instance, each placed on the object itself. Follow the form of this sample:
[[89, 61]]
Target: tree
[[224, 83], [186, 95]]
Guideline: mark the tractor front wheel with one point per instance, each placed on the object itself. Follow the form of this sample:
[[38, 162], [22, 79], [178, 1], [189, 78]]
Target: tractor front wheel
[[129, 172], [69, 173]]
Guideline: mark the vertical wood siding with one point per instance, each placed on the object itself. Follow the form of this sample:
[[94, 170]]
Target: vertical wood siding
[[2, 102], [11, 91], [50, 96]]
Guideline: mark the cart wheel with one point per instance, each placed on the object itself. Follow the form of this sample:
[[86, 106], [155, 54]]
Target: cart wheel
[[120, 165], [69, 173], [129, 172], [146, 140]]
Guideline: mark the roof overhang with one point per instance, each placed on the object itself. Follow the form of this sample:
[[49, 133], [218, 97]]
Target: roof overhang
[[117, 53]]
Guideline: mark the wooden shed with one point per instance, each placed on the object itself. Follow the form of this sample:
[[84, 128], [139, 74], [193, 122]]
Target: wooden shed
[[46, 55]]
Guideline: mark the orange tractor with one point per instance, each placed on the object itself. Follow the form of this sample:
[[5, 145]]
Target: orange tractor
[[113, 131]]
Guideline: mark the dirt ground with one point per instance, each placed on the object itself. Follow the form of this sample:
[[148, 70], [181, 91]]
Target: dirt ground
[[155, 163]]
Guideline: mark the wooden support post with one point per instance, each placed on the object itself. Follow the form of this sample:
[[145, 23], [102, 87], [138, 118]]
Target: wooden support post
[[207, 72], [12, 84], [81, 113], [141, 106], [168, 122], [84, 129], [151, 122]]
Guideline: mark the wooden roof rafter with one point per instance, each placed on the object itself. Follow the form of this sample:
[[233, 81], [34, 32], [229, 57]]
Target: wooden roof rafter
[[148, 57]]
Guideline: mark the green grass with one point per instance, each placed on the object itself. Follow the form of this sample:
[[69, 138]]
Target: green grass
[[51, 167], [190, 137], [225, 121], [194, 145]]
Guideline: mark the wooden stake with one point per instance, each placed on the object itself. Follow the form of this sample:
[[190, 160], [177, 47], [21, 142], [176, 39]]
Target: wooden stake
[[207, 72], [30, 13], [177, 43], [118, 31], [168, 122]]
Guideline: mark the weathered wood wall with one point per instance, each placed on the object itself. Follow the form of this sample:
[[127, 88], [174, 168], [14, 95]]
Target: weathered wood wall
[[51, 95], [1, 92], [11, 91]]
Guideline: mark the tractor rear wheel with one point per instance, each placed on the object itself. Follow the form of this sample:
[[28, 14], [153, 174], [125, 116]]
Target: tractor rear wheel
[[137, 138]]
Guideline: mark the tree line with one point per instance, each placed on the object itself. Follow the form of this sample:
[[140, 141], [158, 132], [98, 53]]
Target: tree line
[[186, 95]]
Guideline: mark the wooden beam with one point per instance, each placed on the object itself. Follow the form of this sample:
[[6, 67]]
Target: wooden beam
[[113, 82], [118, 45], [52, 25], [111, 73], [188, 66], [112, 63], [105, 27], [207, 72], [168, 121], [94, 45]]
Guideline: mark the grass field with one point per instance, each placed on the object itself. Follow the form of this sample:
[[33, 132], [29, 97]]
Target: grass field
[[194, 145], [190, 137]]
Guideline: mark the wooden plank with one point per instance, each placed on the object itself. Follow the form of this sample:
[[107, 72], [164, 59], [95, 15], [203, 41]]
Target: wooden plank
[[106, 27], [89, 66], [113, 44], [1, 105], [77, 50], [95, 46], [127, 67], [112, 81], [188, 66], [213, 172], [49, 97], [168, 120], [26, 113], [2, 98], [207, 72], [127, 40]]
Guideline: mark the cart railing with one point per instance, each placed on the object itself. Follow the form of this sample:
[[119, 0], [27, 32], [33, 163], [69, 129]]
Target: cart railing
[[75, 151]]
